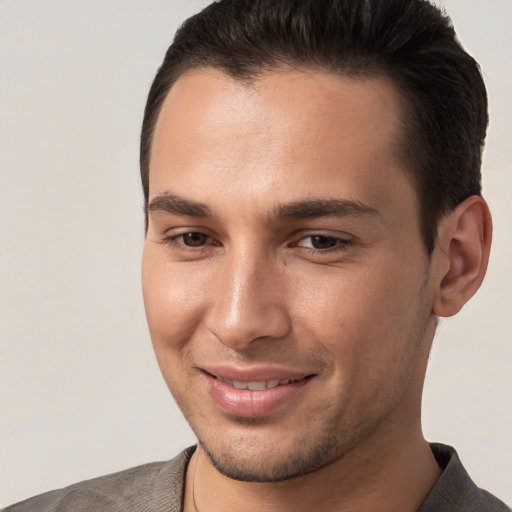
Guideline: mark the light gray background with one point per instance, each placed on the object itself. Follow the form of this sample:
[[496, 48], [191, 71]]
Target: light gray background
[[80, 392]]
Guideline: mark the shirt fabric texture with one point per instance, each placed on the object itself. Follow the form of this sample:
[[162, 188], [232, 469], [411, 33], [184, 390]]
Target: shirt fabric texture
[[159, 487]]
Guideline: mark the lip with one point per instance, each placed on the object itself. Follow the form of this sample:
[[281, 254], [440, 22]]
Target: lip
[[255, 373], [248, 403]]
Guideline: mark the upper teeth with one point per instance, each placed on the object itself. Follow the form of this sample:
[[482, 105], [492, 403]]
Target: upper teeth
[[255, 386]]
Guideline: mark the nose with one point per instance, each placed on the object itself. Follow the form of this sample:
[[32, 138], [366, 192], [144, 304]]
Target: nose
[[248, 302]]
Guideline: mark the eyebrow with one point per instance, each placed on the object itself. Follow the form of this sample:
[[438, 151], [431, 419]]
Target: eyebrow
[[314, 208], [173, 204], [295, 210]]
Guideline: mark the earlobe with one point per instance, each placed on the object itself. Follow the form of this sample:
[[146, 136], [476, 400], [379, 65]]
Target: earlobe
[[463, 245]]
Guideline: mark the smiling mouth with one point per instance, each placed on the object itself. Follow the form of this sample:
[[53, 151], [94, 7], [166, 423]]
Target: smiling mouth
[[253, 398], [257, 385]]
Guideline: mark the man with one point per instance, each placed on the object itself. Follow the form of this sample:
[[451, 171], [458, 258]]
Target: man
[[312, 180]]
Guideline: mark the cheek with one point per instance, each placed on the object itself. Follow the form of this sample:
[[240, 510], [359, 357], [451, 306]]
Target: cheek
[[365, 319], [173, 300]]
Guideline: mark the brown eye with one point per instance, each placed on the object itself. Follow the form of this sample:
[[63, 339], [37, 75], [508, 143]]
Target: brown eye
[[323, 242], [194, 239]]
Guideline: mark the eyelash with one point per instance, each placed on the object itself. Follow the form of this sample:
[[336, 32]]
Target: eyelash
[[340, 243], [176, 241]]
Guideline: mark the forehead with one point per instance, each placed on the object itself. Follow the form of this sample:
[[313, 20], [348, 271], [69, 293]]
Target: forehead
[[275, 97], [303, 128]]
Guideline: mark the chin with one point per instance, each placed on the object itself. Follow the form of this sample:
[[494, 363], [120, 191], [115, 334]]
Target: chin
[[248, 461]]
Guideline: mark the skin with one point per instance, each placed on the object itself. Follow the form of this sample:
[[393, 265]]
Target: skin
[[355, 309]]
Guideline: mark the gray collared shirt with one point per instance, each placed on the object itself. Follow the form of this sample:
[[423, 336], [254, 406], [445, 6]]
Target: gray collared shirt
[[159, 487]]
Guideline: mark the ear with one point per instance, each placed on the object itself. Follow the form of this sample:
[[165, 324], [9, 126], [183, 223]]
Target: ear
[[461, 254]]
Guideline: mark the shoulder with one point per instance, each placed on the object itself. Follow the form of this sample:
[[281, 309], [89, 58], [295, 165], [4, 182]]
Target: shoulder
[[455, 491], [157, 487]]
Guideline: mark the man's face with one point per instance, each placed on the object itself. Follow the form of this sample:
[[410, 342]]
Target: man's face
[[285, 282]]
